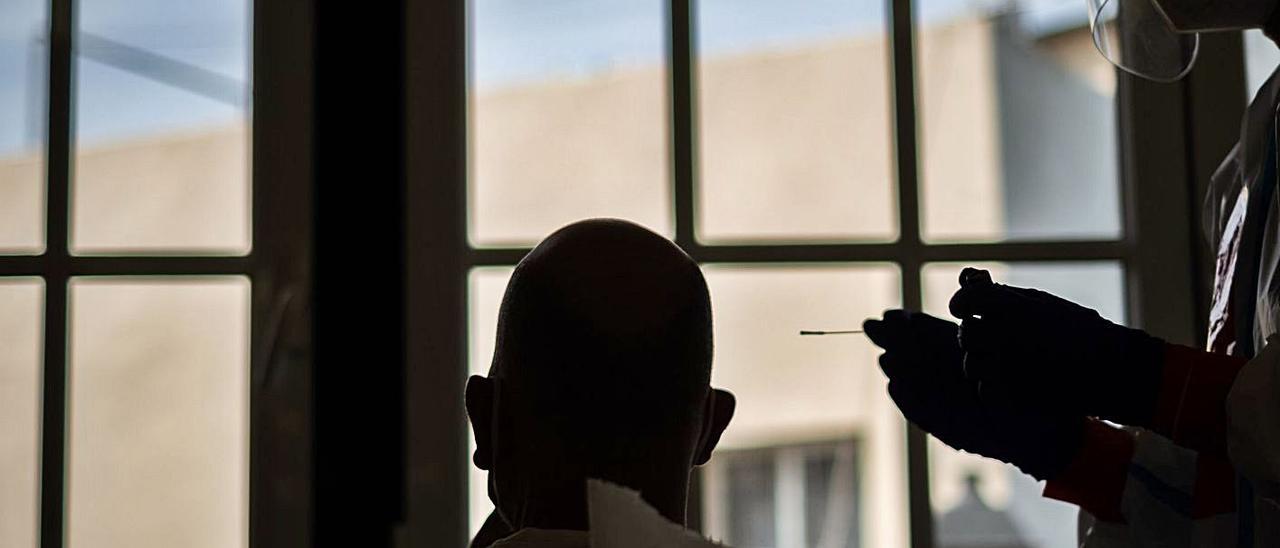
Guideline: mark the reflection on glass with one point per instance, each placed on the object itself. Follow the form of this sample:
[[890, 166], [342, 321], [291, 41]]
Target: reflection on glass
[[157, 452], [162, 146], [1017, 125], [963, 483], [794, 390], [21, 303], [794, 132], [23, 64], [568, 110]]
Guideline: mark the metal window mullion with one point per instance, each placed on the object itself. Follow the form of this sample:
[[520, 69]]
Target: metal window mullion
[[901, 35], [56, 271], [49, 265], [682, 131]]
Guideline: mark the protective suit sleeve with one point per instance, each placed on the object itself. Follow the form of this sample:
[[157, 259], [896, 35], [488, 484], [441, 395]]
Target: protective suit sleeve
[[1253, 421], [1170, 497]]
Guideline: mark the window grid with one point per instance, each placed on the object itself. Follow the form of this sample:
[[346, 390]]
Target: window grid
[[909, 252], [57, 266]]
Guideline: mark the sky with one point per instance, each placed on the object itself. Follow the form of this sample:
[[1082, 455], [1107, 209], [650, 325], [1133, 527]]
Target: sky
[[111, 103]]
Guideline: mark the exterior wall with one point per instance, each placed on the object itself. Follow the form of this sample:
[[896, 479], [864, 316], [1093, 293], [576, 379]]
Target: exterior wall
[[186, 191], [546, 154], [797, 144], [1061, 171], [22, 203], [960, 173]]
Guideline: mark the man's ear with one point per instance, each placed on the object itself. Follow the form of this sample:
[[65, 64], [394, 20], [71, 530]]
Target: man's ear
[[480, 411], [715, 418]]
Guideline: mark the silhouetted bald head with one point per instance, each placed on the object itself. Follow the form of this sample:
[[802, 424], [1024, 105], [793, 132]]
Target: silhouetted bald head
[[602, 370], [607, 322]]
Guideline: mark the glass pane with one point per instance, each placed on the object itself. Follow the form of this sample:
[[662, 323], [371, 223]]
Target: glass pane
[[1000, 488], [162, 142], [793, 121], [24, 62], [1260, 59], [21, 310], [1017, 120], [568, 117], [159, 399], [486, 288], [792, 389]]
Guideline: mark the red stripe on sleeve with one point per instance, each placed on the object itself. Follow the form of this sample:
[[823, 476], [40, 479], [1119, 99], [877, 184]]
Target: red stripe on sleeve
[[1215, 488], [1191, 406], [1096, 477]]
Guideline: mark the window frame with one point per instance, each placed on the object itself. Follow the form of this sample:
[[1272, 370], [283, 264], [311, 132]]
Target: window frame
[[1193, 120], [277, 267]]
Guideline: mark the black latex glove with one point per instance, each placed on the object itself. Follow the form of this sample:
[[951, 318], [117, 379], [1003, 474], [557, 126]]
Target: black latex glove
[[1031, 349], [924, 364]]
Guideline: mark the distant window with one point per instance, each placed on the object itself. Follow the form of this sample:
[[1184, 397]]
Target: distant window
[[805, 495]]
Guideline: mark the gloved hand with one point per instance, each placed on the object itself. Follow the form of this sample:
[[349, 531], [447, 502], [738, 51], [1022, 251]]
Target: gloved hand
[[1030, 349], [924, 364]]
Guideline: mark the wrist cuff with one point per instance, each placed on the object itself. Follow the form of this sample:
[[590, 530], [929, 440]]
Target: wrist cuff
[[1095, 478], [1190, 407]]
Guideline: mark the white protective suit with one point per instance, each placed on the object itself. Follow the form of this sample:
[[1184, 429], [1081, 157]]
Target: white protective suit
[[1243, 221]]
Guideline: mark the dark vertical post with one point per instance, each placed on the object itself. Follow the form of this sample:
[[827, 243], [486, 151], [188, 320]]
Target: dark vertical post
[[435, 202], [902, 38], [682, 128], [281, 412], [1157, 194], [682, 132], [57, 196], [359, 259]]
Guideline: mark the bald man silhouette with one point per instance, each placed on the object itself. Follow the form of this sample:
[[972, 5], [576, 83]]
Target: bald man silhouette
[[602, 370]]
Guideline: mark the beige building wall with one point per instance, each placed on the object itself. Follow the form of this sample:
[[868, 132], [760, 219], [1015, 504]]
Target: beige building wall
[[797, 144], [960, 178]]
